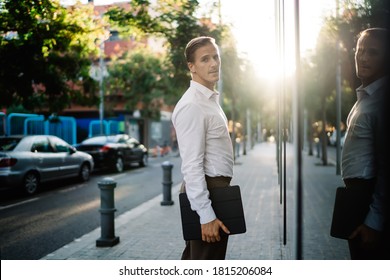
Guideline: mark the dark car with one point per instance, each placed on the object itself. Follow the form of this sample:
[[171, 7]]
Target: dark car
[[114, 151], [29, 160]]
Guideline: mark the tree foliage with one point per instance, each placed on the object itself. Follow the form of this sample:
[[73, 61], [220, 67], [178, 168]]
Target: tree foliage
[[135, 21], [142, 78], [45, 50], [48, 49]]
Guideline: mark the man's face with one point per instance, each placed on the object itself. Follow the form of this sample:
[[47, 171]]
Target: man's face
[[369, 59], [205, 68]]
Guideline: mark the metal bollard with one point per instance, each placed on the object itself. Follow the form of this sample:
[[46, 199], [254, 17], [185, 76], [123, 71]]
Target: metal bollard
[[167, 183], [107, 210]]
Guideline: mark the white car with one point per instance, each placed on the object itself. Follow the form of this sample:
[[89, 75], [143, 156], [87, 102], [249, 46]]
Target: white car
[[333, 138], [28, 160]]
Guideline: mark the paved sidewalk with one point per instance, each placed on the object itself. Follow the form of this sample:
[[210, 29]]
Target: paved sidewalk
[[153, 232]]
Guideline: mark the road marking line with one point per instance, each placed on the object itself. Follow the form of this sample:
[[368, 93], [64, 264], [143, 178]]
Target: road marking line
[[19, 203]]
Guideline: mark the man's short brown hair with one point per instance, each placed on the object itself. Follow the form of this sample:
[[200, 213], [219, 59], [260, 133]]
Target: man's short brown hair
[[195, 44]]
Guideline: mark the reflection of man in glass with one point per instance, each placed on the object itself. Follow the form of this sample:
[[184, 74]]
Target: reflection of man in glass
[[363, 160], [205, 146]]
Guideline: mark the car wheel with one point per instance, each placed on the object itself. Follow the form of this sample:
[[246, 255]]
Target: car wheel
[[30, 183], [144, 161], [119, 166], [85, 172]]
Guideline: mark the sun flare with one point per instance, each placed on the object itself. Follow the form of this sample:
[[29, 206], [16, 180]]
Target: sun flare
[[254, 27]]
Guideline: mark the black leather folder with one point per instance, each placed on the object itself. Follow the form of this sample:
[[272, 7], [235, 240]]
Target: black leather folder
[[350, 209], [227, 205]]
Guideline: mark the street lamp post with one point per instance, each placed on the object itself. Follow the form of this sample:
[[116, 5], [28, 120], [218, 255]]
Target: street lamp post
[[98, 73], [101, 91]]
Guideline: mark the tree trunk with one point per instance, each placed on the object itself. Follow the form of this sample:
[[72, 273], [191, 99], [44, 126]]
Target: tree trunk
[[324, 141]]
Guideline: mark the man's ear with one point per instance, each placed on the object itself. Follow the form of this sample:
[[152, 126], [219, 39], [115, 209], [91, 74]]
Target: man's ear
[[191, 67]]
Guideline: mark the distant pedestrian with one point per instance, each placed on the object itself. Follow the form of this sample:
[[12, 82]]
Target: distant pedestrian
[[205, 146], [363, 160]]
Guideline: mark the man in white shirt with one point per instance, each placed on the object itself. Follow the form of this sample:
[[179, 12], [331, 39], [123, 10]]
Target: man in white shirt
[[363, 160], [205, 146]]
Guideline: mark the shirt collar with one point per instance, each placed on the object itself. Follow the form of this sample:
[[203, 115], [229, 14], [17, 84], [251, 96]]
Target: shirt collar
[[207, 92], [371, 88]]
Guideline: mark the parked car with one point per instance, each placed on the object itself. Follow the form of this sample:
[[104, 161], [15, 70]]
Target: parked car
[[333, 138], [114, 151], [28, 160]]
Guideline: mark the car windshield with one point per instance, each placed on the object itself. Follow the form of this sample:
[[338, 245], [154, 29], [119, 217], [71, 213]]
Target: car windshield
[[100, 140], [8, 144]]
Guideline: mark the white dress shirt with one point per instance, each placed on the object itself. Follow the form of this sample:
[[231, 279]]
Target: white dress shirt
[[204, 144], [362, 155]]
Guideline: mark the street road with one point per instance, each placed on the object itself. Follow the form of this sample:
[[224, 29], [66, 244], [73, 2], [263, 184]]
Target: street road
[[32, 227]]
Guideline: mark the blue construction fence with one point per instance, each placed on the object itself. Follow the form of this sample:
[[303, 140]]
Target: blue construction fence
[[65, 127], [3, 121]]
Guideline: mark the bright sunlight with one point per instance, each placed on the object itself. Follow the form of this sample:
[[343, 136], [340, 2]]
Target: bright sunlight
[[254, 26], [254, 22]]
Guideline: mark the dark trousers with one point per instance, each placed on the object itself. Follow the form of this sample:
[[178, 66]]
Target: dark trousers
[[200, 250], [357, 251]]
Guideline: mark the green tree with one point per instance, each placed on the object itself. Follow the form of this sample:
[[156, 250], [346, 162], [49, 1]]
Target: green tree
[[142, 78], [133, 22], [46, 51]]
